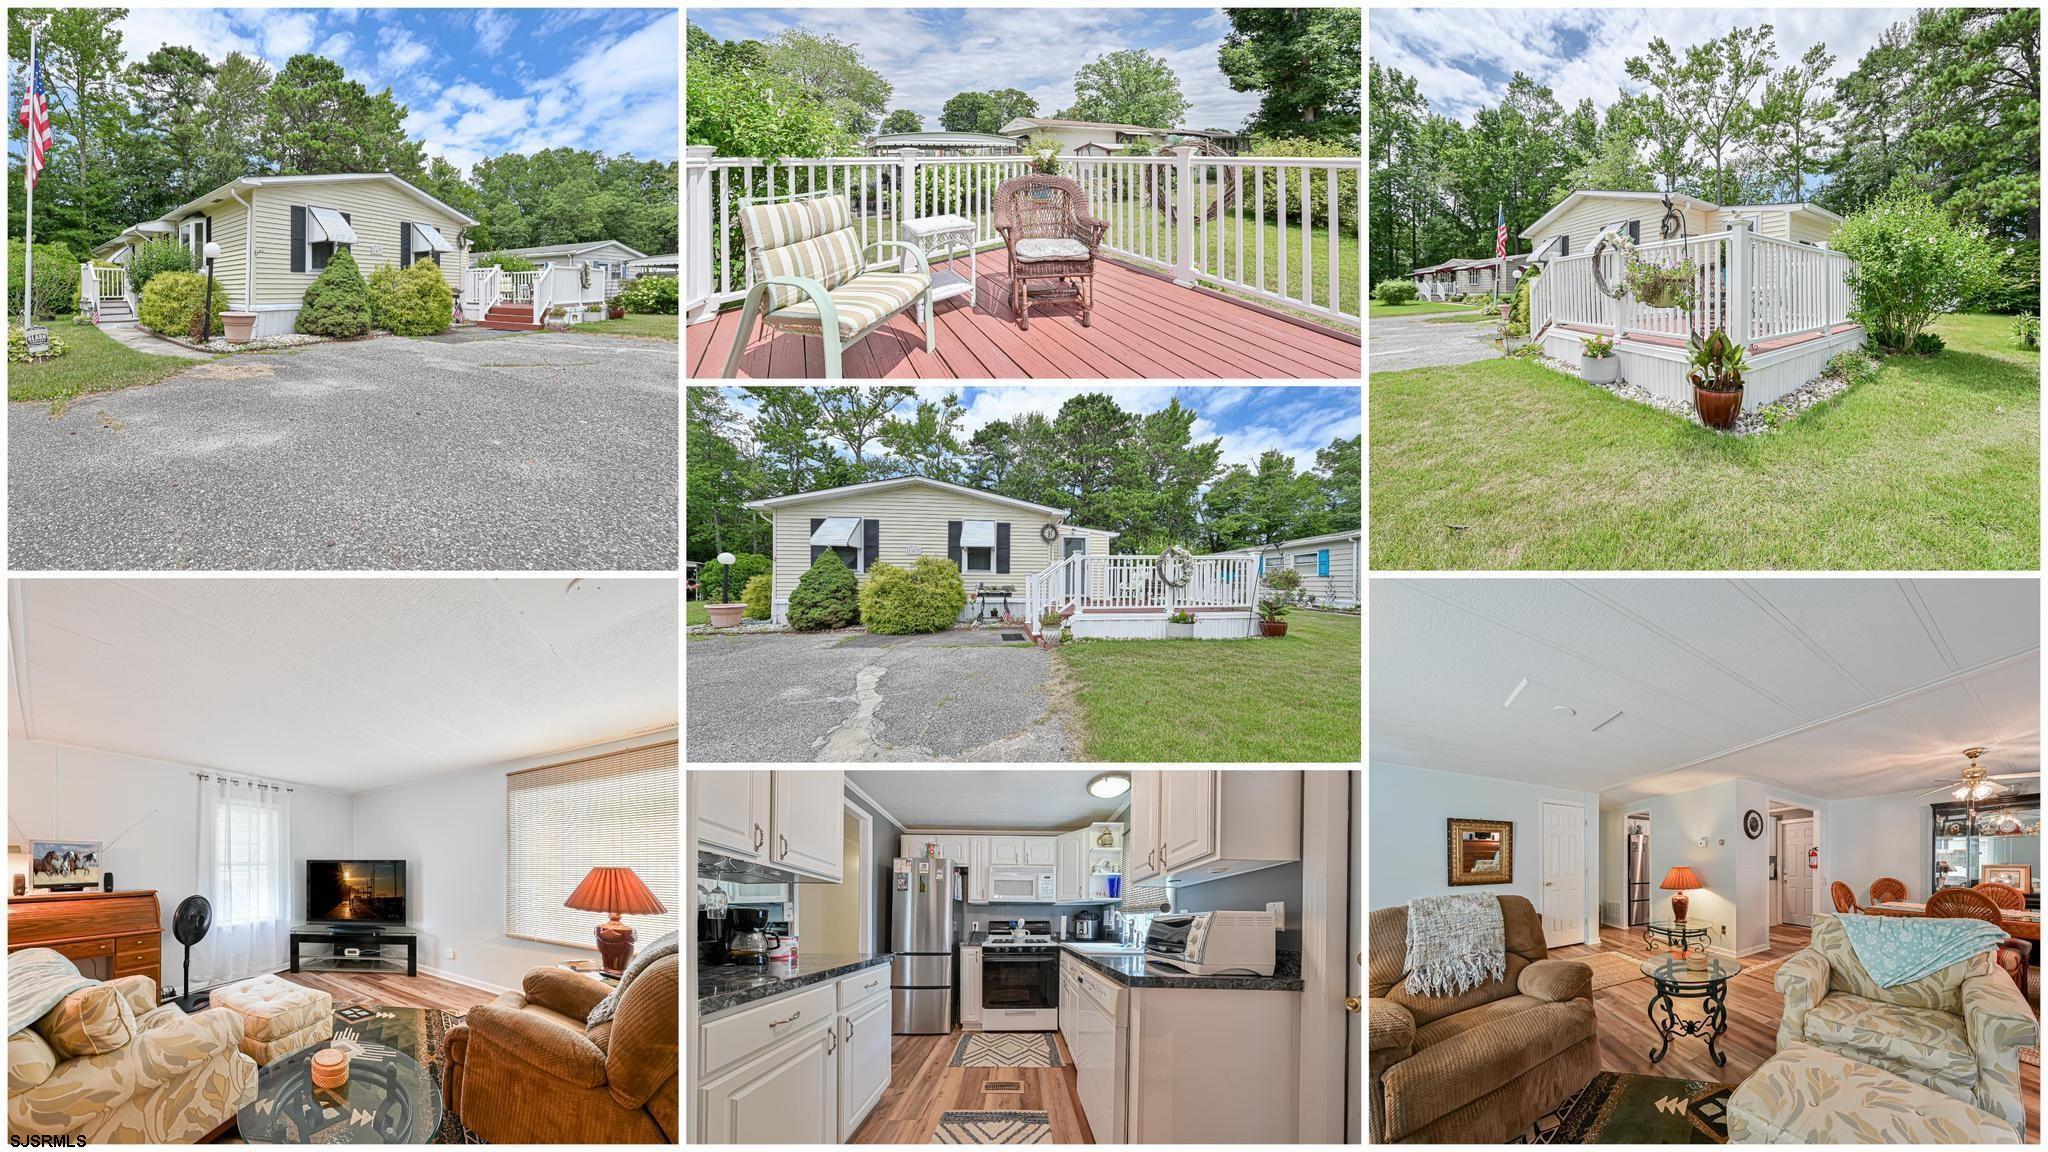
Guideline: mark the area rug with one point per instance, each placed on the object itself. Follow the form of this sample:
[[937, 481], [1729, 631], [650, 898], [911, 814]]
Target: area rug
[[421, 1033], [1763, 971], [1611, 968], [1623, 1108], [1005, 1050], [993, 1128]]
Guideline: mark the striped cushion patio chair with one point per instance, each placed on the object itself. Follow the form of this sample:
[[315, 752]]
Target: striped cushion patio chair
[[811, 277]]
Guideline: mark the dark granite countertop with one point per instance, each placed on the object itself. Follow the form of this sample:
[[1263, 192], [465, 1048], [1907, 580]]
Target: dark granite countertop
[[1135, 971], [725, 986]]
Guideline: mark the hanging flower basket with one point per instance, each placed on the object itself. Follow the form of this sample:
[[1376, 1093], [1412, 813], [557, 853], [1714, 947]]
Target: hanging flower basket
[[1661, 286]]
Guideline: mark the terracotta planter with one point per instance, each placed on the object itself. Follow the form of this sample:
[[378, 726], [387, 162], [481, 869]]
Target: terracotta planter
[[1272, 627], [1600, 370], [725, 615], [1717, 409], [240, 326]]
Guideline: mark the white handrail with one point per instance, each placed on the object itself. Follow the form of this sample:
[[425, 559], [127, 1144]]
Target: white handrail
[[88, 286], [543, 291], [517, 287]]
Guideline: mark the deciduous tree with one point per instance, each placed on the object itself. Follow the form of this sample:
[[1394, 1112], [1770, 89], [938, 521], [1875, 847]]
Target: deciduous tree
[[1128, 86]]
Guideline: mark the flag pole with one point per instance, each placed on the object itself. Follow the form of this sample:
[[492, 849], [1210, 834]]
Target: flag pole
[[28, 247]]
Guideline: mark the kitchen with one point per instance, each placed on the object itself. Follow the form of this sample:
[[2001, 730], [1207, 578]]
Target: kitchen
[[1023, 956]]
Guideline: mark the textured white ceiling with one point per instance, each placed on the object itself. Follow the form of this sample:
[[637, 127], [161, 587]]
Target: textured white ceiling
[[350, 684], [1834, 687], [969, 798]]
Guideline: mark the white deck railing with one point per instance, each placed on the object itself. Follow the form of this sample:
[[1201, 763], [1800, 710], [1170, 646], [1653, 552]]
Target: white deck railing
[[1150, 203], [517, 287], [1080, 584], [97, 285], [480, 285], [1754, 287]]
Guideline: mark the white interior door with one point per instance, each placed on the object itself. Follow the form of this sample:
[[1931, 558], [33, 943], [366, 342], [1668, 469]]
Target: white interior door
[[1795, 879], [1564, 873]]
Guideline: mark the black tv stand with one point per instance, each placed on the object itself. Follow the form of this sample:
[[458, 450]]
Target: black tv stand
[[378, 936]]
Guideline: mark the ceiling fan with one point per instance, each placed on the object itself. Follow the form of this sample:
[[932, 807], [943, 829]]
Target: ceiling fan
[[1975, 785]]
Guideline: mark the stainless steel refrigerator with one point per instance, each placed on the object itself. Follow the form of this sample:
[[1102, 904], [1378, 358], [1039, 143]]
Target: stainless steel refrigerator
[[1638, 876], [921, 934]]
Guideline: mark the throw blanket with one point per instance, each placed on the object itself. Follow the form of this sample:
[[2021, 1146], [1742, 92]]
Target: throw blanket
[[1455, 943], [666, 946], [1898, 950], [37, 981]]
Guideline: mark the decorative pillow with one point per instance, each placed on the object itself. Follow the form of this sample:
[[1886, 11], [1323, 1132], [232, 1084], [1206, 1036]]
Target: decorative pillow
[[88, 1022], [29, 1061]]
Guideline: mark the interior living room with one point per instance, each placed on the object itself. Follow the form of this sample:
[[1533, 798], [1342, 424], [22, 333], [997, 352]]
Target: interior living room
[[343, 860], [1704, 860]]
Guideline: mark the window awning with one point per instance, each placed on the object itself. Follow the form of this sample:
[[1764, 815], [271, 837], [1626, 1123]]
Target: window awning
[[427, 238], [838, 532], [329, 227], [978, 534]]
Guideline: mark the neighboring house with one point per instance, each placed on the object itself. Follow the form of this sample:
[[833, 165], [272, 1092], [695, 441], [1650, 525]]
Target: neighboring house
[[299, 221], [1088, 138], [1464, 277], [995, 540], [1577, 220], [942, 144], [609, 255], [665, 264], [1330, 566]]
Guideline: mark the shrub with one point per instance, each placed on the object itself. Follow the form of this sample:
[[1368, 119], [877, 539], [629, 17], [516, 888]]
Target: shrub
[[1286, 593], [745, 566], [652, 294], [1518, 315], [155, 256], [2018, 286], [826, 596], [1854, 365], [56, 278], [338, 303], [1913, 264], [759, 597], [926, 597], [1318, 186], [17, 346], [506, 262], [1182, 616], [411, 301], [1395, 291], [1927, 344], [173, 302], [2026, 329]]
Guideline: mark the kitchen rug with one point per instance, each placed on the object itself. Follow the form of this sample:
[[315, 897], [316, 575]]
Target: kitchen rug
[[993, 1128], [1623, 1108], [1006, 1050]]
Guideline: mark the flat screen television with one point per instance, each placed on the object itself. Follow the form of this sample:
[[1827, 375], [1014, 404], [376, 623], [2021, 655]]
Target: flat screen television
[[367, 892], [64, 865]]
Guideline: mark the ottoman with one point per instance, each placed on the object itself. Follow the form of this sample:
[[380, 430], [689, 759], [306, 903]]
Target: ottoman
[[278, 1016], [1806, 1095]]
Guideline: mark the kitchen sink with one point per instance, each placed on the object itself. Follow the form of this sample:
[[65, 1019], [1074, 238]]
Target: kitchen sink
[[1105, 946]]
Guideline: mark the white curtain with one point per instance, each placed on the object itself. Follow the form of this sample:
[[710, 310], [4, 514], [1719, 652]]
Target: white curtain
[[245, 872]]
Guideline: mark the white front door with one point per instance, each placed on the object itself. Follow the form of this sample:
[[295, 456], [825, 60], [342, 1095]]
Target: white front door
[[1564, 873], [1795, 879]]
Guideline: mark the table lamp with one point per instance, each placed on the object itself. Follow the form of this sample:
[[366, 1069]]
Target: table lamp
[[1678, 882], [617, 891]]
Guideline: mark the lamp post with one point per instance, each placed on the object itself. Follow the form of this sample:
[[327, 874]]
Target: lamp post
[[212, 254]]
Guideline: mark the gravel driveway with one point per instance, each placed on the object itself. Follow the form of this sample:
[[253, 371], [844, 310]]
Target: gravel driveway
[[847, 696], [1413, 342], [541, 451]]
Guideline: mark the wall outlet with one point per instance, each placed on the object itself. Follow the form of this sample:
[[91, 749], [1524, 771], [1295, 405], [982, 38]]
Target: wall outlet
[[447, 953], [1279, 910]]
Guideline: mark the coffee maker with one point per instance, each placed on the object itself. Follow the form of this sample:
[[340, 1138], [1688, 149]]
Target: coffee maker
[[711, 927], [746, 938]]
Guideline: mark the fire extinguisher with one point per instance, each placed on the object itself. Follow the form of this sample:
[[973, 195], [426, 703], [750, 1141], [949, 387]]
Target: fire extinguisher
[[1813, 858]]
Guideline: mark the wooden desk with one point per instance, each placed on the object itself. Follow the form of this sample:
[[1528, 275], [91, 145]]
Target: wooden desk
[[2019, 924], [125, 927]]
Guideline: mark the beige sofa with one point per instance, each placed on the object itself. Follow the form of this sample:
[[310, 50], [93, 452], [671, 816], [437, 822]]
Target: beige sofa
[[112, 1065], [1481, 1066]]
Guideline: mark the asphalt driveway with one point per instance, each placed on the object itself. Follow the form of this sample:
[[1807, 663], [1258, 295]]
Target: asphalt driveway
[[538, 451], [1414, 342], [953, 696]]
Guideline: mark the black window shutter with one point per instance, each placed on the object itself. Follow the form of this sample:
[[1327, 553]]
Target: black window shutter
[[205, 234], [870, 540], [1635, 231], [1002, 548], [346, 220], [953, 545], [405, 245], [298, 238], [1564, 245], [817, 522]]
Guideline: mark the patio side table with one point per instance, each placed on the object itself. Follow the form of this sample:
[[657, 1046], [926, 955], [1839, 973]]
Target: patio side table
[[946, 233]]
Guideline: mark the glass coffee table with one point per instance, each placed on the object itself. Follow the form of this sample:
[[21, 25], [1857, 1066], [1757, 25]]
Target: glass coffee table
[[1675, 934], [389, 1099], [1709, 986]]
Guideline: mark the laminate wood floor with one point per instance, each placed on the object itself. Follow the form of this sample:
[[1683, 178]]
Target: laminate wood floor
[[1754, 1006], [921, 1086], [393, 990]]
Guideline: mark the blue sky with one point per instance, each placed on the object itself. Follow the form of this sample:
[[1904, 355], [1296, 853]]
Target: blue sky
[[1296, 420], [928, 54], [478, 81], [1464, 57]]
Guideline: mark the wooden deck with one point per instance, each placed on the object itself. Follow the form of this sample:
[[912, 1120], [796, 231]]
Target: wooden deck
[[1145, 327], [1659, 340]]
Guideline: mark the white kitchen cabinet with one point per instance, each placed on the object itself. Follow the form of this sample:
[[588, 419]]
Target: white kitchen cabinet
[[788, 1094], [732, 813], [864, 1061], [807, 831], [1071, 870], [1187, 817], [977, 869], [1041, 850], [970, 988], [1142, 856], [1194, 826], [1005, 850], [911, 847], [1244, 1090]]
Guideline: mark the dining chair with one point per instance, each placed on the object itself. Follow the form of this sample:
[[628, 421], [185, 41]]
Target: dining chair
[[2003, 895], [1885, 888], [1845, 897], [1960, 903]]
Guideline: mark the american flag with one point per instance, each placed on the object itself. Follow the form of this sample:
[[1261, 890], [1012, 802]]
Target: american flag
[[1500, 234], [35, 116]]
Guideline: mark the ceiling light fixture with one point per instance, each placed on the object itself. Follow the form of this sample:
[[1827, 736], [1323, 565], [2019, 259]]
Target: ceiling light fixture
[[1109, 785]]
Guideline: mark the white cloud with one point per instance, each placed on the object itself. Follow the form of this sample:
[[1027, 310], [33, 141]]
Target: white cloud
[[398, 50], [337, 46], [493, 29], [208, 30], [286, 34]]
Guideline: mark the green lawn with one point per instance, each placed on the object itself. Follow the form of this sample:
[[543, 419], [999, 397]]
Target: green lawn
[[1507, 464], [650, 327], [694, 613], [1378, 310], [93, 362], [1291, 698]]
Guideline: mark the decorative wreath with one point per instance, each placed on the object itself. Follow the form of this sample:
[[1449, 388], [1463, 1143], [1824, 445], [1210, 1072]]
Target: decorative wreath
[[1049, 533], [1618, 240], [1176, 566]]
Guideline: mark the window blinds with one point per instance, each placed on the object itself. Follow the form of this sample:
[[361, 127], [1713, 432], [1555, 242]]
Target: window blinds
[[561, 821]]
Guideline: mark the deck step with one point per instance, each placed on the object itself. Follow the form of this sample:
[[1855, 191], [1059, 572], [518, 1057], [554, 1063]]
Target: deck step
[[509, 326]]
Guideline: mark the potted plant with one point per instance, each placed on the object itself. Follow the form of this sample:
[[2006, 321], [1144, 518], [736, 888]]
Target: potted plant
[[1049, 623], [241, 326], [557, 319], [1285, 586], [1716, 376], [1180, 625], [1660, 286], [613, 310], [1597, 362]]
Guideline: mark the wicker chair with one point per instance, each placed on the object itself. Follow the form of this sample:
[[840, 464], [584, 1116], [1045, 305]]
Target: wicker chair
[[1049, 235], [1885, 888], [1974, 905], [2003, 895], [1844, 896]]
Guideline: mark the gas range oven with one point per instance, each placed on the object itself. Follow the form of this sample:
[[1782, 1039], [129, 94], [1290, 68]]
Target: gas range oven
[[1020, 980]]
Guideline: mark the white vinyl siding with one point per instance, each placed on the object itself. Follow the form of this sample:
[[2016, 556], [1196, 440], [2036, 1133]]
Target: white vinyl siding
[[1593, 214], [375, 210], [227, 232], [1339, 588], [1809, 228]]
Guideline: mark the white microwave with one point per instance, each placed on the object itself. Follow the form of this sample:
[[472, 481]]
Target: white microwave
[[1021, 884]]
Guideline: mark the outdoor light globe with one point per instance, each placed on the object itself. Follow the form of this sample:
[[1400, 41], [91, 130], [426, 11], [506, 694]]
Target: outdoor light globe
[[212, 251], [725, 558]]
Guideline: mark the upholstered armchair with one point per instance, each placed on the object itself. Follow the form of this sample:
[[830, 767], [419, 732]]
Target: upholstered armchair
[[526, 1070], [1050, 236], [109, 1065], [1958, 1031], [1481, 1066]]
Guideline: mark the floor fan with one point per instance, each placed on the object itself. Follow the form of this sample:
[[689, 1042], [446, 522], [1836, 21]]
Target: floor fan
[[188, 925]]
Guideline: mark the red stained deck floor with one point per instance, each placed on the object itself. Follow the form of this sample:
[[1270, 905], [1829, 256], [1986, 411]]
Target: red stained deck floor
[[1664, 341], [1145, 327]]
